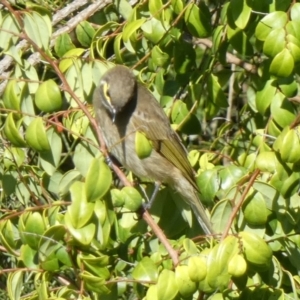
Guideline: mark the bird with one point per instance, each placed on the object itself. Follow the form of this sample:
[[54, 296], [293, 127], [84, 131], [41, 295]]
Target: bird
[[123, 107]]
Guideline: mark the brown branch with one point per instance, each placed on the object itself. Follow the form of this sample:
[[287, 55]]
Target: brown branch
[[161, 236], [239, 204], [230, 58]]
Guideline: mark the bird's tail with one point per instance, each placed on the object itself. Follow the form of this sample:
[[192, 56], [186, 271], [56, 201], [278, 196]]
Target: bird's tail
[[201, 216]]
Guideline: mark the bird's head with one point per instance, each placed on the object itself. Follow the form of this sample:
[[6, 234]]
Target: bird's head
[[117, 88]]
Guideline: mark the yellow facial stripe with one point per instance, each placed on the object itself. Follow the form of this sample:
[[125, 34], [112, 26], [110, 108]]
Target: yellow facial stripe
[[106, 92]]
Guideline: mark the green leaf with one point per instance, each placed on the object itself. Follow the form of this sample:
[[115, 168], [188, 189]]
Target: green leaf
[[124, 8], [14, 52], [208, 183], [197, 19], [145, 270], [221, 214], [240, 41], [11, 130], [156, 8], [241, 12], [282, 110], [288, 145], [275, 42], [50, 159], [177, 6], [179, 112], [132, 198], [15, 284], [217, 262], [255, 210], [277, 19], [185, 285], [38, 29], [63, 44], [256, 250], [266, 161], [98, 180], [264, 96], [48, 97], [197, 269], [12, 95], [215, 92], [9, 32], [288, 86], [184, 58], [283, 64], [68, 59], [9, 237], [143, 146], [295, 11], [36, 136], [85, 32], [292, 28], [130, 30], [83, 235], [34, 229], [67, 180], [160, 58], [28, 256], [80, 211], [294, 50], [153, 30], [166, 285]]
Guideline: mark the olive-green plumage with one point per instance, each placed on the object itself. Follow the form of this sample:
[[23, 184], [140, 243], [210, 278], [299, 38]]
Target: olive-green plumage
[[123, 107]]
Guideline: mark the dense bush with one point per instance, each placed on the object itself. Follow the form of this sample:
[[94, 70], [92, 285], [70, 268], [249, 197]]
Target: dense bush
[[226, 73]]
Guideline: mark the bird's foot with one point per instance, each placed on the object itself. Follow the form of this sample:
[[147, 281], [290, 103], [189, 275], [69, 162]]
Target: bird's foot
[[150, 201]]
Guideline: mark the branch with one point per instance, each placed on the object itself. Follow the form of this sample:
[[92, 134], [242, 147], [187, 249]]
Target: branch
[[7, 61], [230, 58]]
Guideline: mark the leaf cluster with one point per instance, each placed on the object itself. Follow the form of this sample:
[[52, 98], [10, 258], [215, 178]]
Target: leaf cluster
[[226, 74]]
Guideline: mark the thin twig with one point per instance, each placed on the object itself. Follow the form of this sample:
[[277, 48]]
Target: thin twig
[[239, 204]]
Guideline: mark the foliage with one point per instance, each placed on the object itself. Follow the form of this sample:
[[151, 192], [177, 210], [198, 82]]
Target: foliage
[[226, 73]]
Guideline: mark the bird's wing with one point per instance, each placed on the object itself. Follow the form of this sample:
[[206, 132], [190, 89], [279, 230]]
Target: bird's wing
[[150, 119]]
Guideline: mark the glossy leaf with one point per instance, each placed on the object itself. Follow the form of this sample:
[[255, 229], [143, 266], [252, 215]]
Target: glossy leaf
[[81, 211], [132, 198], [186, 286], [10, 30], [215, 92], [38, 29], [36, 136], [143, 146], [11, 130], [264, 96], [241, 12], [146, 270], [255, 210], [275, 42], [277, 19], [98, 180], [85, 32], [69, 57], [63, 44], [166, 285], [34, 229], [197, 19], [217, 263], [283, 64], [48, 97], [282, 110], [256, 250], [15, 284]]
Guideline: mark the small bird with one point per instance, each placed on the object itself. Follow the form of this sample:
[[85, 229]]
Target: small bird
[[123, 107]]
